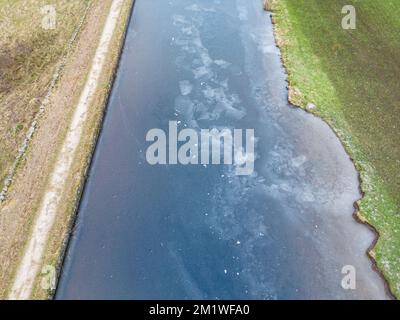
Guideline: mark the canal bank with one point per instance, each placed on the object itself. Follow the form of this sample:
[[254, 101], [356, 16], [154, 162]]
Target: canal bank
[[171, 232], [331, 77], [39, 285]]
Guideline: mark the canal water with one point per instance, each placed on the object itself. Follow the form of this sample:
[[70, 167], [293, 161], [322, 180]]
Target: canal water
[[203, 232]]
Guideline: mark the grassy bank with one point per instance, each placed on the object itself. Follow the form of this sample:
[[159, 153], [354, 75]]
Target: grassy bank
[[352, 77], [18, 212], [66, 214], [29, 57], [29, 54]]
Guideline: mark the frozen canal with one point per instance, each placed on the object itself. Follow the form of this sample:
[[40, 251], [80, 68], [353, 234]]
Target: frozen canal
[[183, 232]]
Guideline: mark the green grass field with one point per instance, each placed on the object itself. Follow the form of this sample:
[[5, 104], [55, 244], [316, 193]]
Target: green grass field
[[353, 77]]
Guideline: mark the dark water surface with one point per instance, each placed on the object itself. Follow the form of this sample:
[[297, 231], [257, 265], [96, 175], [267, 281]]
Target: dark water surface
[[185, 232]]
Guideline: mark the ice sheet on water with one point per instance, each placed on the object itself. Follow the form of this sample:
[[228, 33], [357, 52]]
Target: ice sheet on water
[[186, 87], [222, 63]]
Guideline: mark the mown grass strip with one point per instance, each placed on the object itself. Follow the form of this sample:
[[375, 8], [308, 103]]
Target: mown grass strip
[[352, 76]]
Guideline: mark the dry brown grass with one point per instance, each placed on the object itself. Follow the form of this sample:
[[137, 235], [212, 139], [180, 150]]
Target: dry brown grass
[[267, 5], [28, 58], [18, 212], [60, 233]]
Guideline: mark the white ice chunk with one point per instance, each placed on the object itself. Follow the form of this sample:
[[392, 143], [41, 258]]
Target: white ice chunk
[[185, 87]]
